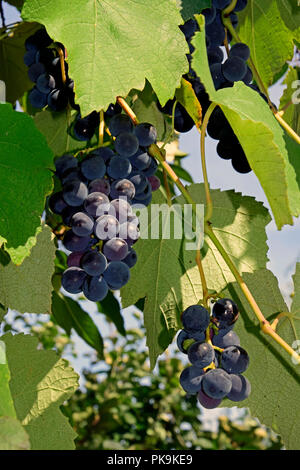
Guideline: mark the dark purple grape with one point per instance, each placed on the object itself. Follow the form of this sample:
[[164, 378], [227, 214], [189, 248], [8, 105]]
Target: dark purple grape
[[121, 209], [74, 243], [99, 185], [190, 379], [106, 227], [151, 170], [222, 340], [235, 360], [93, 263], [116, 275], [216, 383], [64, 163], [241, 388], [120, 123], [240, 50], [96, 204], [73, 279], [57, 203], [93, 167], [115, 249], [104, 152], [234, 69], [122, 188], [95, 288], [37, 99], [201, 354], [74, 259], [224, 313], [210, 14], [57, 100], [119, 167], [208, 402], [29, 58], [195, 318], [82, 224], [126, 144], [129, 232], [146, 134], [139, 181], [131, 258], [75, 192], [140, 160], [155, 182]]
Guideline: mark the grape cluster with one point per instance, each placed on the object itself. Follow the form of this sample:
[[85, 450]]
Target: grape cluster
[[96, 203], [218, 361], [51, 90], [45, 71], [224, 73]]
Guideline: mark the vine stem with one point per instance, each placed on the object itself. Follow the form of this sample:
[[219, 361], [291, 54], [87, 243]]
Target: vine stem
[[227, 23], [230, 8], [264, 324], [202, 277], [209, 204], [101, 128], [62, 63]]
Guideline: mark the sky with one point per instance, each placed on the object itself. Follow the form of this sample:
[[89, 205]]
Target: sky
[[284, 248]]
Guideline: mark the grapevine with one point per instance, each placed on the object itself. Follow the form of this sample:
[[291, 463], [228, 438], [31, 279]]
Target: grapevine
[[97, 204]]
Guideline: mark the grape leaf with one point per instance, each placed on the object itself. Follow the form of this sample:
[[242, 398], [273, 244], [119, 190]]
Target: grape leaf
[[13, 71], [187, 97], [54, 126], [190, 7], [269, 39], [69, 314], [40, 383], [111, 308], [25, 181], [167, 274], [112, 64], [292, 112], [290, 13], [7, 408], [27, 288], [12, 435], [275, 380], [260, 135]]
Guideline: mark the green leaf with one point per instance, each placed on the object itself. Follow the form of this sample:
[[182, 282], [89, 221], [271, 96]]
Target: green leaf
[[260, 135], [27, 288], [112, 65], [275, 380], [182, 173], [191, 7], [292, 112], [187, 97], [13, 71], [3, 312], [40, 383], [290, 13], [269, 39], [111, 308], [7, 408], [167, 274], [25, 181], [69, 314], [12, 435], [54, 126]]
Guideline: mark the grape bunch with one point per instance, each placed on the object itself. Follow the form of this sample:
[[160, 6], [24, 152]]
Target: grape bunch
[[45, 71], [214, 350], [224, 73], [50, 89], [96, 200]]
